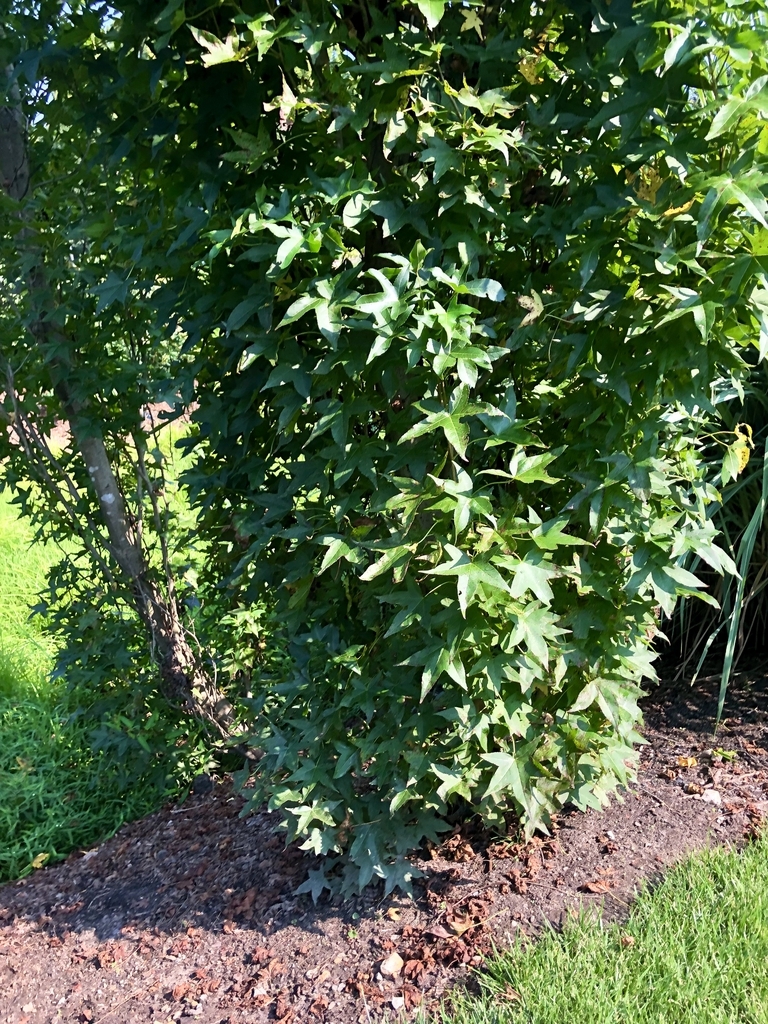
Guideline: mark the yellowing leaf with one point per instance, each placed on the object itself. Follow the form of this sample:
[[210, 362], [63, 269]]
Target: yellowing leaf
[[218, 52], [39, 860], [472, 21], [737, 453], [744, 433], [534, 306], [673, 211], [648, 185], [527, 68]]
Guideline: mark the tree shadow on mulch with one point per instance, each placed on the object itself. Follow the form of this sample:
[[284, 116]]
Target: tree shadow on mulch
[[191, 913]]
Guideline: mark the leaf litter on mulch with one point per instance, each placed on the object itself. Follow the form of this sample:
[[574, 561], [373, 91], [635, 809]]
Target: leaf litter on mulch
[[191, 913]]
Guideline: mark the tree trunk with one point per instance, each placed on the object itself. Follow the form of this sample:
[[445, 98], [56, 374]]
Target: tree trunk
[[183, 680]]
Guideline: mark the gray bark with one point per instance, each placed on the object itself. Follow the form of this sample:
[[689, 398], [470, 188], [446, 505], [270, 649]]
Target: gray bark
[[183, 680], [14, 166]]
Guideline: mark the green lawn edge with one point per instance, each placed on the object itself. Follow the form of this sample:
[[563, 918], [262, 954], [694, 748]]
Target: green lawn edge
[[694, 950], [57, 793]]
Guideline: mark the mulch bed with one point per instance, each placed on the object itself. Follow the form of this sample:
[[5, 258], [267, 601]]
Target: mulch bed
[[190, 914]]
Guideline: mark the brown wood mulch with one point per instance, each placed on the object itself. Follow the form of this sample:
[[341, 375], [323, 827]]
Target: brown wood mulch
[[191, 913]]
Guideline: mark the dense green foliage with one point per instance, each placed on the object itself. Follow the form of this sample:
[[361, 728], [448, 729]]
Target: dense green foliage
[[694, 951], [452, 285], [498, 487]]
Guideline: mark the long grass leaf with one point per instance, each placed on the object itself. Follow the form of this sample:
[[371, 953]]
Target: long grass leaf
[[746, 547], [710, 640]]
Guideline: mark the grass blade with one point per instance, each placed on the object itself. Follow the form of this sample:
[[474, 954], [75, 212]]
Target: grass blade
[[746, 547]]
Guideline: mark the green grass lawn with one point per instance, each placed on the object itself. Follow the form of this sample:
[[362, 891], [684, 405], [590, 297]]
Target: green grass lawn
[[56, 794], [694, 951], [25, 656]]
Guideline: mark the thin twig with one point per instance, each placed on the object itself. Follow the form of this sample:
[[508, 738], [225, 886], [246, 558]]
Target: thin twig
[[653, 796], [138, 992]]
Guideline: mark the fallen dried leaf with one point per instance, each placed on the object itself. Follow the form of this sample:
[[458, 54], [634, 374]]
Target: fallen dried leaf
[[283, 1009], [627, 941], [84, 953], [412, 996], [502, 850], [461, 923], [598, 886], [608, 843], [693, 789], [511, 995], [519, 883], [687, 762], [751, 748], [437, 931], [393, 914], [319, 1006], [413, 968], [457, 849]]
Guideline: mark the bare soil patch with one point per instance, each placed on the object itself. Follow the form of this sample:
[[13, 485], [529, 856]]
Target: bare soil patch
[[191, 913]]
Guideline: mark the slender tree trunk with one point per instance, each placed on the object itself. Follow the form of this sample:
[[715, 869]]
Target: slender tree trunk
[[184, 682]]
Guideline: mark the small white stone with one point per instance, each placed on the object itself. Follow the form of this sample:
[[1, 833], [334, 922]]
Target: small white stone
[[711, 796], [392, 966], [397, 1002]]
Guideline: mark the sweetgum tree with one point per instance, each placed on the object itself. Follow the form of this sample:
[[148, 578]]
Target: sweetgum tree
[[454, 286], [490, 264], [85, 344]]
